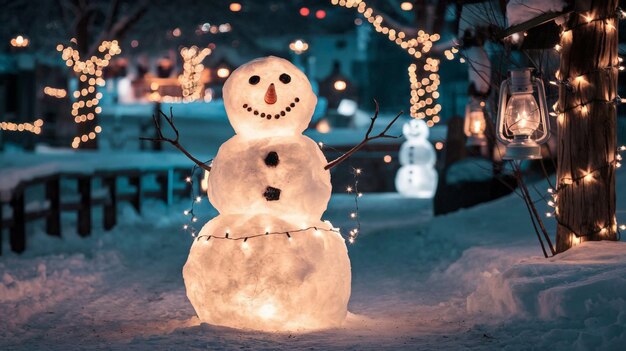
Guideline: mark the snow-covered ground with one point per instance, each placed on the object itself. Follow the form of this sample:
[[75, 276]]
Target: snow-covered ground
[[474, 279]]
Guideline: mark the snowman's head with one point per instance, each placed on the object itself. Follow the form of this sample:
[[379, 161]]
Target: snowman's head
[[268, 97], [415, 128]]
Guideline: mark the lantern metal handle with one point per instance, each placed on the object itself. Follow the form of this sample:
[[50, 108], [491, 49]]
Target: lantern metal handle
[[504, 86], [543, 106]]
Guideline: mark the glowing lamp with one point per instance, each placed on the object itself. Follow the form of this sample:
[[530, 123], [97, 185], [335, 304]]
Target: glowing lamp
[[340, 85], [298, 46], [323, 126], [522, 125], [223, 72], [235, 7], [406, 6], [20, 42], [475, 124]]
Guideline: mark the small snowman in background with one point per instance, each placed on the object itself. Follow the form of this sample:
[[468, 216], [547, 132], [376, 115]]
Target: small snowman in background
[[417, 176]]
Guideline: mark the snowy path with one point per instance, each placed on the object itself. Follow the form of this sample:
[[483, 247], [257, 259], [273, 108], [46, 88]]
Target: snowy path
[[412, 276]]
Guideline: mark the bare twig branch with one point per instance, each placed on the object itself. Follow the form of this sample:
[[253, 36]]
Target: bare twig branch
[[114, 7], [116, 28], [161, 138], [534, 214], [366, 139]]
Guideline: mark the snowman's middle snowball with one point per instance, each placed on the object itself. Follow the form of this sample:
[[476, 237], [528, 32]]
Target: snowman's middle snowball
[[241, 176]]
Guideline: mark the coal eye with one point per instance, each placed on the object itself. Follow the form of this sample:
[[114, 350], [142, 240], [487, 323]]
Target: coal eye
[[254, 80], [285, 78]]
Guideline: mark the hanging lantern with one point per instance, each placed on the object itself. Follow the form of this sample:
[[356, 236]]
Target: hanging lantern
[[522, 124], [475, 123]]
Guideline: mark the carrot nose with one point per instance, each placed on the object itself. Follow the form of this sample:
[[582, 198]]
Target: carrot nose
[[270, 95]]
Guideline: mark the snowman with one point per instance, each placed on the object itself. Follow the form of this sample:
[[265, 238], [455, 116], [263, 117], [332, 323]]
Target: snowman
[[417, 176], [267, 261]]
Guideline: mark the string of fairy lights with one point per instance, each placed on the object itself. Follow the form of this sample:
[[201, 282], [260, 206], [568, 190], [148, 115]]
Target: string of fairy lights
[[192, 72], [354, 232], [424, 93], [588, 175], [34, 127], [58, 93], [85, 107], [197, 198], [419, 89], [585, 177]]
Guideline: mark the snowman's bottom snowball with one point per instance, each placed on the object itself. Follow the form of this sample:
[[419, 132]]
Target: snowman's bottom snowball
[[268, 283]]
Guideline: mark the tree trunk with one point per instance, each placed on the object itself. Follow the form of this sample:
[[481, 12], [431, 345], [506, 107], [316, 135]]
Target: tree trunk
[[587, 126], [83, 43], [84, 128]]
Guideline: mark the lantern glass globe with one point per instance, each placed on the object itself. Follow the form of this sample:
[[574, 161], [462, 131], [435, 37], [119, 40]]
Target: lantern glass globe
[[522, 115]]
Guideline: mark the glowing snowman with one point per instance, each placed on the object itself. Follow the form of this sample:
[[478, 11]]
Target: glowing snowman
[[269, 184], [417, 176]]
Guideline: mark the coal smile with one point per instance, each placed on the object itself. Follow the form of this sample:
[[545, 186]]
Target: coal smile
[[282, 113]]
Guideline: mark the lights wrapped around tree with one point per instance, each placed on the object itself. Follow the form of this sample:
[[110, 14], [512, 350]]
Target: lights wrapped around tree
[[58, 93], [34, 127], [475, 123], [89, 71], [424, 92], [192, 72], [522, 123]]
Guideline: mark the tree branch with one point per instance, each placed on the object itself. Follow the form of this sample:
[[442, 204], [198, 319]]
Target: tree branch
[[534, 214], [114, 29], [161, 138], [114, 8], [366, 139]]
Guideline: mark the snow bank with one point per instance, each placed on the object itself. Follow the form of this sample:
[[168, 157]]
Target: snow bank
[[574, 284], [585, 285], [39, 286]]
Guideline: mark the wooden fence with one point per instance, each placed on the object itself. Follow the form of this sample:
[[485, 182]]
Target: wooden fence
[[102, 189], [98, 189]]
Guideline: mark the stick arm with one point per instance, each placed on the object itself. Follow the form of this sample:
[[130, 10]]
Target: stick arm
[[161, 138], [365, 140]]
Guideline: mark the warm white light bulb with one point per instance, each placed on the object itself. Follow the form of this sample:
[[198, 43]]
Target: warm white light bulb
[[267, 311], [477, 122], [522, 115]]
